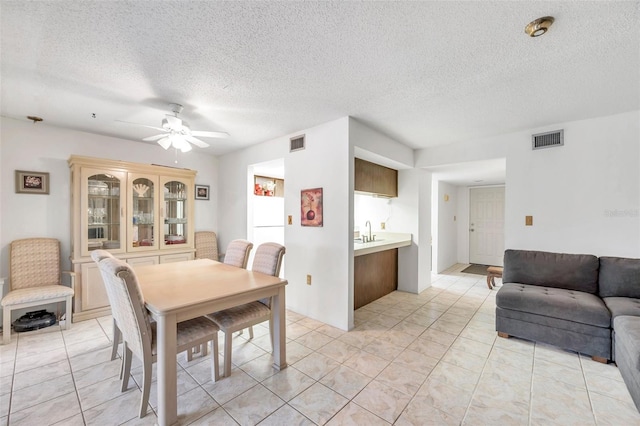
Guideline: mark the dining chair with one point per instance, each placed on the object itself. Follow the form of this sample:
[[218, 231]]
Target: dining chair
[[238, 253], [267, 260], [97, 256], [34, 279], [139, 333], [206, 243]]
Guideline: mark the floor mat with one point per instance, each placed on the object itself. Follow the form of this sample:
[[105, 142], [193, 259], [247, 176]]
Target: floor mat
[[476, 269]]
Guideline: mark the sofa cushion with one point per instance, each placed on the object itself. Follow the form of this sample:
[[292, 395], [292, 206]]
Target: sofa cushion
[[619, 277], [559, 303], [627, 330], [627, 351], [559, 270], [622, 306]]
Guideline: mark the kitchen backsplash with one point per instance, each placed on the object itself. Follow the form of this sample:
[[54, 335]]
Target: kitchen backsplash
[[374, 209]]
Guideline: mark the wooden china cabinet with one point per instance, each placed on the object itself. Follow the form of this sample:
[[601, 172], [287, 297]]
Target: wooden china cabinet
[[141, 213]]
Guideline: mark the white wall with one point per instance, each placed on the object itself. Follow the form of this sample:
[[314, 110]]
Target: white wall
[[325, 252], [374, 209], [38, 147], [584, 196], [474, 150], [447, 226], [462, 221], [377, 148], [413, 215]]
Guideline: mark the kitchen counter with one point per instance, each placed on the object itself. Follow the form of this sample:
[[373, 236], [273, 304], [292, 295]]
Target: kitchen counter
[[384, 241]]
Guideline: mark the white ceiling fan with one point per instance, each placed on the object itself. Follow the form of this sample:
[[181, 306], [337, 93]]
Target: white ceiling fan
[[178, 133]]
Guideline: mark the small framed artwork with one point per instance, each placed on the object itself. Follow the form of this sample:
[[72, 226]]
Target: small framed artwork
[[202, 192], [311, 207], [32, 182]]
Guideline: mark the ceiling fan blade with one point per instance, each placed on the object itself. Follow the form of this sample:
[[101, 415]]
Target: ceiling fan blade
[[155, 137], [196, 142], [204, 134], [141, 125], [174, 122], [165, 143]]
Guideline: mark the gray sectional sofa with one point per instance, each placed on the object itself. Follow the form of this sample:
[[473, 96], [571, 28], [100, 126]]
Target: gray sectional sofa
[[578, 302]]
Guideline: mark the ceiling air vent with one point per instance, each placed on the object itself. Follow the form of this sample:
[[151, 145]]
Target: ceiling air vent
[[548, 139], [296, 143]]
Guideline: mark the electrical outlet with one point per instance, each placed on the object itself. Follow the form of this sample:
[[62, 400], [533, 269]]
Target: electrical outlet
[[383, 225], [290, 220], [308, 279]]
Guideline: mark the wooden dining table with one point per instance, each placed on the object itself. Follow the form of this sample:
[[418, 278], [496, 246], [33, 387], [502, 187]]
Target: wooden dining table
[[179, 291]]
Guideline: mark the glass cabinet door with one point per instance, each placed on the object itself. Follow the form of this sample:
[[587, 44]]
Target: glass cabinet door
[[101, 221], [143, 213], [176, 214]]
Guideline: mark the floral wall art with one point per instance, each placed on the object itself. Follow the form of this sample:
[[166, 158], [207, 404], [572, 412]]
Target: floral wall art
[[311, 207]]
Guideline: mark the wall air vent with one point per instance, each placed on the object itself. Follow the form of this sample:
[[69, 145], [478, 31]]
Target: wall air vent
[[296, 143], [547, 140]]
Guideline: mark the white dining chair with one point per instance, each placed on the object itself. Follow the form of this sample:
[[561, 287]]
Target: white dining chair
[[139, 333], [237, 255], [267, 260]]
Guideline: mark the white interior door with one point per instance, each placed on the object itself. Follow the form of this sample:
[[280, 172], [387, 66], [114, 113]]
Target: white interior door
[[486, 225]]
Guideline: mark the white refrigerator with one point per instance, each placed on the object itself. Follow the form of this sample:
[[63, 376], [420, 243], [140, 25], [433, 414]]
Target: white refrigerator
[[268, 222]]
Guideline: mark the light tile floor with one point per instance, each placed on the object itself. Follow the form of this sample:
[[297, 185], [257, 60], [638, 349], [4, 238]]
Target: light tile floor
[[425, 359]]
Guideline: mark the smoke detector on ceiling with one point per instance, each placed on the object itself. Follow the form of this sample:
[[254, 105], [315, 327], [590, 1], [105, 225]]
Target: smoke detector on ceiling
[[539, 26]]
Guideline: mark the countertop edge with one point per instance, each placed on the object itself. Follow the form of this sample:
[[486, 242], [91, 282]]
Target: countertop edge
[[381, 246]]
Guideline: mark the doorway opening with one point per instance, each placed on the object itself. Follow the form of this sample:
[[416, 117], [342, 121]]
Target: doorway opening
[[450, 210], [486, 225], [265, 204]]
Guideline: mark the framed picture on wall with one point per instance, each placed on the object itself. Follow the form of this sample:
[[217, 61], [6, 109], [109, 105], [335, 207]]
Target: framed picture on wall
[[311, 207], [32, 182], [202, 192]]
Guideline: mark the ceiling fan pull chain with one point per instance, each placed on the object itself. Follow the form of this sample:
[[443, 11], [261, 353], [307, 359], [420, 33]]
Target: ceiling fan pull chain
[[176, 160]]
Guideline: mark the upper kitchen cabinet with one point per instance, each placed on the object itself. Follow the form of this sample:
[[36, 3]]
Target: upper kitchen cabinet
[[373, 178], [143, 214]]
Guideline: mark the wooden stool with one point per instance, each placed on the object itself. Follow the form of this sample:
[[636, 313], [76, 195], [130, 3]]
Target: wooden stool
[[493, 272]]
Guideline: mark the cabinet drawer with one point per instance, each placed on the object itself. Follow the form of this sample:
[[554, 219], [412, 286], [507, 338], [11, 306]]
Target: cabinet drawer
[[147, 260], [180, 257]]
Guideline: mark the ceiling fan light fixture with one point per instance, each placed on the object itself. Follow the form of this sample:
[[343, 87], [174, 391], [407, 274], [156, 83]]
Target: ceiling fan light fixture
[[539, 26], [165, 142], [178, 133], [179, 142]]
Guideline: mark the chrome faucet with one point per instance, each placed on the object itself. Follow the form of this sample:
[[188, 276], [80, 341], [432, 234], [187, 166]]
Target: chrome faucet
[[369, 237]]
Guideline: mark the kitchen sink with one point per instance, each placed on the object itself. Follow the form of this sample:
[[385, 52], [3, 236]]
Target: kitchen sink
[[359, 241]]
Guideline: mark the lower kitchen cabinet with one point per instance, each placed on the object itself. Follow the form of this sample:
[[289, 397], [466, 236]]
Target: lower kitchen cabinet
[[374, 275]]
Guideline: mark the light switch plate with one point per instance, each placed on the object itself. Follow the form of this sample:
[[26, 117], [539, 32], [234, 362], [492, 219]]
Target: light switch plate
[[290, 220], [528, 220]]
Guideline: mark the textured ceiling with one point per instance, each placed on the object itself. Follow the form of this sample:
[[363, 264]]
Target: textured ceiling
[[424, 73]]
